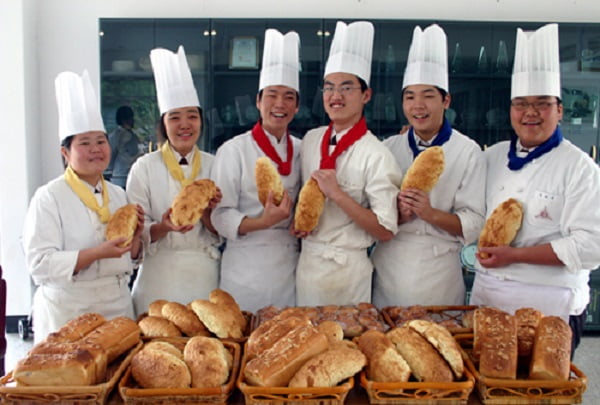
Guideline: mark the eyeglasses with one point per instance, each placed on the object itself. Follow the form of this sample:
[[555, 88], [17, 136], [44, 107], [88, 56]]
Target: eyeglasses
[[329, 90], [537, 105]]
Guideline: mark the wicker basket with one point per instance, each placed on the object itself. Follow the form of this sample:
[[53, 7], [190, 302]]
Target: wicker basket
[[438, 313], [65, 395], [293, 396], [132, 394], [523, 391]]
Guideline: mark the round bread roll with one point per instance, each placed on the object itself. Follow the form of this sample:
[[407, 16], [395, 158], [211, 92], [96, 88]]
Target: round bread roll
[[165, 347], [159, 369], [311, 202], [208, 360], [184, 318], [267, 179], [190, 203], [425, 171], [158, 327], [502, 226], [155, 307], [332, 330], [122, 224]]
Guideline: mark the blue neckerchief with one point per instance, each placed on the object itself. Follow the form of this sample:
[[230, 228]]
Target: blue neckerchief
[[516, 163], [441, 138]]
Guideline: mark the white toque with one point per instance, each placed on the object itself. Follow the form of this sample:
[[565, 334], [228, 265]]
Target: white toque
[[427, 58], [351, 50], [280, 62]]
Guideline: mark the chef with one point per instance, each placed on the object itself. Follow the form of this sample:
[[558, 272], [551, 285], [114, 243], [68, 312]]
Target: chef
[[260, 256], [182, 262], [421, 264], [548, 264], [356, 172], [75, 269]]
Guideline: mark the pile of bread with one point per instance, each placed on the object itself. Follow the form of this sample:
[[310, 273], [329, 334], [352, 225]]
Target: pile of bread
[[422, 349], [219, 315], [504, 343], [289, 351], [354, 320], [202, 362], [401, 315], [78, 353]]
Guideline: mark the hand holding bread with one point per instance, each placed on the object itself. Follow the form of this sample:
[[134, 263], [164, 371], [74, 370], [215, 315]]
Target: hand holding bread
[[311, 202], [502, 226], [123, 223], [267, 180], [189, 205]]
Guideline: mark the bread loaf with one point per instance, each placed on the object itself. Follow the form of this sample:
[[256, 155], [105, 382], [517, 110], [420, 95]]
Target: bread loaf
[[426, 363], [159, 369], [224, 299], [208, 360], [425, 171], [439, 337], [329, 368], [384, 363], [155, 307], [77, 328], [67, 369], [551, 350], [495, 339], [189, 205], [311, 202], [165, 347], [184, 318], [527, 323], [122, 223], [277, 365], [501, 227], [115, 336], [269, 332], [333, 330], [267, 179], [218, 319], [155, 326]]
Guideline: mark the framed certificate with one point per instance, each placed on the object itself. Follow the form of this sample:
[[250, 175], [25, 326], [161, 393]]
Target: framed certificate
[[243, 53]]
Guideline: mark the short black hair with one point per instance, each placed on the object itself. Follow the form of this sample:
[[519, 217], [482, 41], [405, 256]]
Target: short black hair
[[363, 84], [162, 130], [260, 93], [124, 113]]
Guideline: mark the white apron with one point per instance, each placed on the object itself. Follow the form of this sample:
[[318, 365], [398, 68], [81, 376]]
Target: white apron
[[431, 277], [328, 275], [260, 275], [176, 275], [53, 306]]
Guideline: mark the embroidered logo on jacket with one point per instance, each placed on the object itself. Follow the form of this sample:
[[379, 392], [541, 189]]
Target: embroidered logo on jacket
[[544, 215]]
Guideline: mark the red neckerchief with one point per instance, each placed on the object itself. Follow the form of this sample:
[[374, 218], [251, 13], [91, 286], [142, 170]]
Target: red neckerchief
[[354, 134], [284, 168]]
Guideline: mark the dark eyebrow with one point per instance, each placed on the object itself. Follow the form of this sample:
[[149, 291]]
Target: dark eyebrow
[[344, 83]]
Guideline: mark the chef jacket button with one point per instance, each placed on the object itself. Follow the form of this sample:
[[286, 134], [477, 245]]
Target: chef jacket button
[[520, 190]]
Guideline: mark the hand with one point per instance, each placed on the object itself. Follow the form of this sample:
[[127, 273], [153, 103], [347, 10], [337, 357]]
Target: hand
[[404, 129], [169, 226], [497, 256], [327, 181], [111, 249], [417, 202], [215, 200], [273, 214], [297, 233], [140, 224], [404, 212]]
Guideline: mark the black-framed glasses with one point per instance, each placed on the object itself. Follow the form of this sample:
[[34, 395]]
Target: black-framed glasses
[[541, 105], [328, 90]]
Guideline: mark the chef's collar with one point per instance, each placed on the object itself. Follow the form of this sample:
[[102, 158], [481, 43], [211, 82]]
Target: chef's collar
[[338, 135], [189, 157], [274, 140], [423, 144], [523, 151]]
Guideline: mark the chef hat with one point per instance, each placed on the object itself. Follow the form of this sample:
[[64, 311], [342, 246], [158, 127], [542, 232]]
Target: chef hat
[[280, 63], [427, 58], [537, 66], [174, 84], [351, 50], [78, 110]]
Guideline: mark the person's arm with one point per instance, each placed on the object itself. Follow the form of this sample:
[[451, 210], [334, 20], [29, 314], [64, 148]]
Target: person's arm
[[417, 202], [271, 215], [363, 217], [501, 256], [105, 250]]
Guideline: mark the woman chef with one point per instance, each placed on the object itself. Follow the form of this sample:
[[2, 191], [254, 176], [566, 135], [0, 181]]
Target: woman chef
[[76, 270], [182, 262]]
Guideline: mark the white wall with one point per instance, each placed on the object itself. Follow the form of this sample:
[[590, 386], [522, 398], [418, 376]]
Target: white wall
[[49, 36]]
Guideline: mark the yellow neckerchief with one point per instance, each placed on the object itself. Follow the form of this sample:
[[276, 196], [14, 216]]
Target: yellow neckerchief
[[87, 197], [174, 168]]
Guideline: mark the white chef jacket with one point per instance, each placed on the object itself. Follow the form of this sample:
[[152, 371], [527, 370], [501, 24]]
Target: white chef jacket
[[57, 226], [333, 266], [560, 192], [179, 267], [421, 265], [258, 268]]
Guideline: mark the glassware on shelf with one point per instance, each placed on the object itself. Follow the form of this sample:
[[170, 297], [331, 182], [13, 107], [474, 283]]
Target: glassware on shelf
[[502, 58], [482, 64], [456, 64], [390, 59]]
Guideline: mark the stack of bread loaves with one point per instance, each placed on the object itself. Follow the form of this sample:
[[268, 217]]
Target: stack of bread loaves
[[219, 315], [420, 348], [78, 353], [540, 343], [204, 362], [289, 351]]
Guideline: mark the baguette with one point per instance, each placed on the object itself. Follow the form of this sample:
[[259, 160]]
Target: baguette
[[425, 171], [551, 350], [311, 202], [384, 363], [329, 368], [267, 179]]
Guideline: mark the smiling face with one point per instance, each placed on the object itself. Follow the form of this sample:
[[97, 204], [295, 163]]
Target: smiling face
[[344, 108], [534, 127], [88, 155], [183, 127], [277, 106], [424, 108]]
